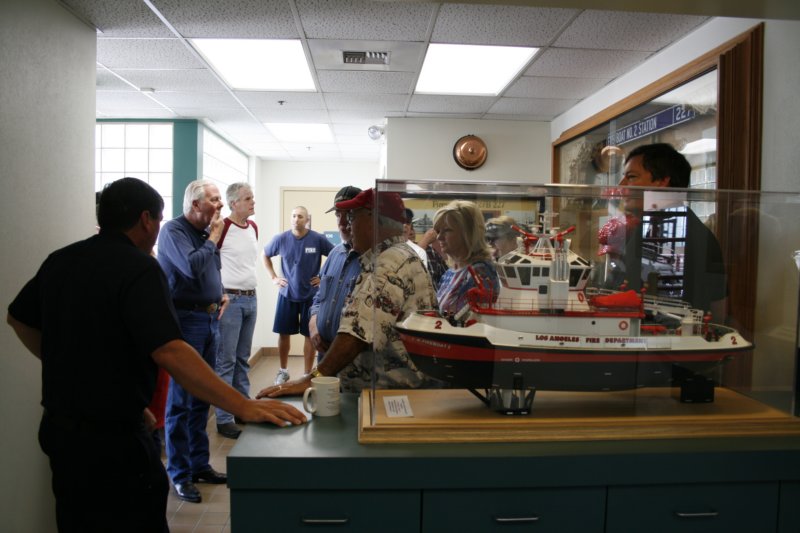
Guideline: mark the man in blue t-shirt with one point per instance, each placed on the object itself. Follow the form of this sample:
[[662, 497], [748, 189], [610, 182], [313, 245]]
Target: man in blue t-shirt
[[301, 252]]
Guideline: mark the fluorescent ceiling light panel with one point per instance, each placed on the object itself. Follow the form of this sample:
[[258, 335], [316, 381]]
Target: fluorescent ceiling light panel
[[301, 133], [471, 69], [258, 64]]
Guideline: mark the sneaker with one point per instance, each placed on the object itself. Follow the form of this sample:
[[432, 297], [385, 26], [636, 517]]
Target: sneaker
[[282, 377], [229, 430]]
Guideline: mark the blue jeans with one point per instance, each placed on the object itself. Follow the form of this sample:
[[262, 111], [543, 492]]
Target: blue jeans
[[186, 417], [236, 340]]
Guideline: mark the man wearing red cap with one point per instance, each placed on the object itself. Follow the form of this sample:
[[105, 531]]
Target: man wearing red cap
[[393, 283]]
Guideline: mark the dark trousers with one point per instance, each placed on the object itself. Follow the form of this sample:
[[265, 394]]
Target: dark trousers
[[105, 478]]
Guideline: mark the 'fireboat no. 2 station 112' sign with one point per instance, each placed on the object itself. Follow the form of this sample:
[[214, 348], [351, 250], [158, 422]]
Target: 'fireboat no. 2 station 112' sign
[[648, 125]]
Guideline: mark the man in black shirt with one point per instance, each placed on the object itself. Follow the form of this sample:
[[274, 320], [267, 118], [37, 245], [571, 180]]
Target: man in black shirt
[[99, 316], [704, 283]]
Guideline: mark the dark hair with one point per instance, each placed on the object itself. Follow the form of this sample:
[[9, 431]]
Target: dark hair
[[123, 201], [662, 160]]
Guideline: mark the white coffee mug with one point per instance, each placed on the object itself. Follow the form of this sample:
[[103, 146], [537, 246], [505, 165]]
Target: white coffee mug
[[322, 397]]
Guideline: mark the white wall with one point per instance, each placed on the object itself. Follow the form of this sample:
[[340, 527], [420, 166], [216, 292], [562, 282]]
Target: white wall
[[422, 149], [47, 173], [270, 177]]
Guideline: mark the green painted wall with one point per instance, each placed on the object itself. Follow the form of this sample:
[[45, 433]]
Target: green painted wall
[[187, 159]]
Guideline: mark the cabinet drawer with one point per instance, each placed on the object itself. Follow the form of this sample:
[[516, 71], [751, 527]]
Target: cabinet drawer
[[351, 511], [686, 508], [539, 510], [789, 512]]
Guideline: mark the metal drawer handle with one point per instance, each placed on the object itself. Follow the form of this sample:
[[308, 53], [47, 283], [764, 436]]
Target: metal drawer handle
[[324, 521], [709, 514], [517, 520]]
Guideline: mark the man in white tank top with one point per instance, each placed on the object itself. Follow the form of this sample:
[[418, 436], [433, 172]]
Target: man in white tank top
[[239, 252]]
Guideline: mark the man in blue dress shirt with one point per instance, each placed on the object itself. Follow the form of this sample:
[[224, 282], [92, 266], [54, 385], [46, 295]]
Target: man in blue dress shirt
[[337, 277], [188, 253]]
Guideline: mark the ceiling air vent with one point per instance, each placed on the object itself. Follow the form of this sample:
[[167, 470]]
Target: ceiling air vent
[[365, 58]]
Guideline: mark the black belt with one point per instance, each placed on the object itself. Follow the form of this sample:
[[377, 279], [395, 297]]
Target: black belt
[[240, 292], [97, 426], [206, 308]]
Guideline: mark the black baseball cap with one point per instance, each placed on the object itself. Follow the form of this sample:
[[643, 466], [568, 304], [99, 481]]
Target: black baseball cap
[[345, 193]]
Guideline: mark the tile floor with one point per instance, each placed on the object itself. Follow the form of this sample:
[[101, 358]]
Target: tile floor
[[213, 513]]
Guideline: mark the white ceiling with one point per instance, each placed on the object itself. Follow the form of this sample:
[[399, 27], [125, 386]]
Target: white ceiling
[[147, 69]]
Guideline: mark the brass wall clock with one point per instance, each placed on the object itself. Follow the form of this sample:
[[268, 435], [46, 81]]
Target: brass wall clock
[[469, 152]]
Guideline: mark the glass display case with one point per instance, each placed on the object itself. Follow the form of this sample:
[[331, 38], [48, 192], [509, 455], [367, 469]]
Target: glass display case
[[614, 313]]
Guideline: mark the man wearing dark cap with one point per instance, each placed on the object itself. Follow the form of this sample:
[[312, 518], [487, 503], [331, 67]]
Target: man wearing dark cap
[[337, 277], [393, 284]]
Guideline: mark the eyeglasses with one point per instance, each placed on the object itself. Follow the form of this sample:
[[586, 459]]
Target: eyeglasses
[[351, 215]]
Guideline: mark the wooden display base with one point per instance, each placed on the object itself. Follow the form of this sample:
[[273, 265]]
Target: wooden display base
[[651, 413]]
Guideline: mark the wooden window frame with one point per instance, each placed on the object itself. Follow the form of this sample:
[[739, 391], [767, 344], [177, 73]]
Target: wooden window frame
[[740, 66]]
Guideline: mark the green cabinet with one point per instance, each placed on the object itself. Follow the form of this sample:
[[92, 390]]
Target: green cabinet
[[707, 508], [540, 510], [318, 477], [344, 511], [789, 510]]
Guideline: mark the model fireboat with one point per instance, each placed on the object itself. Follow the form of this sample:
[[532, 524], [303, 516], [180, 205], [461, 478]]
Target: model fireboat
[[547, 331]]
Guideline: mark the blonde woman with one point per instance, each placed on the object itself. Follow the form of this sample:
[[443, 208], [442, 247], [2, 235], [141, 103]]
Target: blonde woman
[[460, 230]]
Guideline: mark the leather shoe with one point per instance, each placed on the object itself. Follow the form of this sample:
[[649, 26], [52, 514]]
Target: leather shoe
[[188, 492], [210, 476], [229, 430]]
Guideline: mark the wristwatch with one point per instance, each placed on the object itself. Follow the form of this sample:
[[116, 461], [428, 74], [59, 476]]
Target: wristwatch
[[315, 373]]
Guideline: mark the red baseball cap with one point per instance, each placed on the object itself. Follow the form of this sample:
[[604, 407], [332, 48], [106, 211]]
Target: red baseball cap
[[389, 204]]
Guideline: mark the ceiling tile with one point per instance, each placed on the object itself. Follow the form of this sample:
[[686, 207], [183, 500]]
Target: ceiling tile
[[272, 99], [540, 87], [106, 81], [427, 103], [405, 56], [540, 107], [499, 25], [200, 80], [364, 102], [122, 100], [145, 54], [363, 119], [366, 82], [573, 63], [180, 99], [303, 116], [618, 30], [243, 19], [365, 20], [119, 19], [349, 130], [130, 112], [216, 114]]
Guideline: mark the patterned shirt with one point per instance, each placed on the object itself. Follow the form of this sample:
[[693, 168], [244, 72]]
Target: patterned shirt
[[452, 293], [393, 283]]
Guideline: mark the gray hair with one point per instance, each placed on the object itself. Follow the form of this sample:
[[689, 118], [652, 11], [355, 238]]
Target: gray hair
[[196, 190], [390, 223], [232, 193]]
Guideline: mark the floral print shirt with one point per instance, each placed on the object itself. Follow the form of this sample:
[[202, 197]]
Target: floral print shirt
[[393, 283]]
